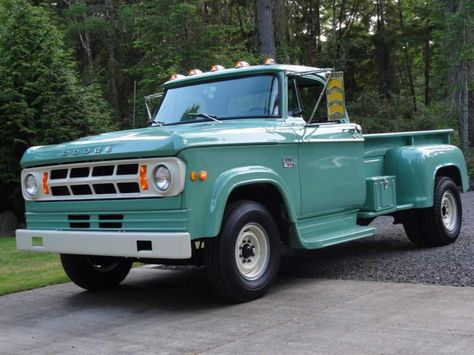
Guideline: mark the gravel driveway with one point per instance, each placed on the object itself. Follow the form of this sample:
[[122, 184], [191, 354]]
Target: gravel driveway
[[390, 256]]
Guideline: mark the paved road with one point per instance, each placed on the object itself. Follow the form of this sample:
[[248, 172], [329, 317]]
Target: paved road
[[164, 311], [160, 311]]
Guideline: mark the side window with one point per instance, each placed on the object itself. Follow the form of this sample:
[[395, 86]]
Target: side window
[[309, 95], [293, 107]]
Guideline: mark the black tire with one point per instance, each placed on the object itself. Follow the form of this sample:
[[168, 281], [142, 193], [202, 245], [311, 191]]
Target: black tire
[[440, 224], [95, 272], [243, 261]]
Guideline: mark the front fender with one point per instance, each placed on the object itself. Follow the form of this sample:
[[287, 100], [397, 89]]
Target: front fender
[[229, 180], [415, 168]]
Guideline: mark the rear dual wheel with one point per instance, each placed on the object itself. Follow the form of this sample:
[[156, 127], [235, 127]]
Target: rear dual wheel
[[243, 261], [440, 224]]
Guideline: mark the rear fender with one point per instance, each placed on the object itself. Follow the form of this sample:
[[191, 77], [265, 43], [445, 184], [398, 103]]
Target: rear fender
[[416, 167]]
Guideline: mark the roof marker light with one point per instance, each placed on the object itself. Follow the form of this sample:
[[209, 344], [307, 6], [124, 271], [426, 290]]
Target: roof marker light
[[217, 67], [194, 72], [176, 76], [269, 61], [241, 64]]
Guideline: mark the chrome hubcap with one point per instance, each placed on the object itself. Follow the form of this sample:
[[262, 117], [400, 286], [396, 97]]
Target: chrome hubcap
[[252, 252], [449, 211]]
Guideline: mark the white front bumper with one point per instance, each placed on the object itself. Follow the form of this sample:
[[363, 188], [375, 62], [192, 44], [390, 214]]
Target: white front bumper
[[129, 244]]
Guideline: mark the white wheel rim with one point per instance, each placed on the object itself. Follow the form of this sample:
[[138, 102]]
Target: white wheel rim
[[449, 211], [252, 252]]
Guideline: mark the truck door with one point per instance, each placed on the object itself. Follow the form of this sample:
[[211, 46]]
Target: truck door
[[330, 154]]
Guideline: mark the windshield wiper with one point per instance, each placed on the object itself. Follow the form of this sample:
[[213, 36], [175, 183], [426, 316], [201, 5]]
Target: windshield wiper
[[204, 115], [154, 123]]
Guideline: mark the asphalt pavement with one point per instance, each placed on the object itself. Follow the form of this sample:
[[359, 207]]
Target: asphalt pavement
[[324, 302]]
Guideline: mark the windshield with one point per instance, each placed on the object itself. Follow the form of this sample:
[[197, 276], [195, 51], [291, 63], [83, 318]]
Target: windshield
[[248, 97]]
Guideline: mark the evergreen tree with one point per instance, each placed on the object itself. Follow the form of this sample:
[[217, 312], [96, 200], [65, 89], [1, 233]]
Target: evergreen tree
[[41, 101]]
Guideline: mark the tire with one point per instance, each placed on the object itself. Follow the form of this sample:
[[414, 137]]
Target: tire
[[243, 261], [95, 272], [440, 224]]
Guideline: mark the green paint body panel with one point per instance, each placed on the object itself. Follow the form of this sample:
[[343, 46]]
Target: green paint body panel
[[327, 175]]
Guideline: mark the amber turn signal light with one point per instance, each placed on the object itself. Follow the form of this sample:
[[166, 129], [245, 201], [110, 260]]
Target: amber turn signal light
[[45, 183], [143, 180], [203, 175]]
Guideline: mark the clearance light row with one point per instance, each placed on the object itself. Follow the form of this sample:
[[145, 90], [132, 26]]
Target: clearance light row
[[217, 67]]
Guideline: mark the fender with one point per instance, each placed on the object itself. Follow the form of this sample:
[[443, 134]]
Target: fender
[[229, 180], [415, 168]]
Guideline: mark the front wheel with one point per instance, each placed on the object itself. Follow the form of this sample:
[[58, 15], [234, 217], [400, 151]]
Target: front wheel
[[441, 223], [95, 272], [243, 261]]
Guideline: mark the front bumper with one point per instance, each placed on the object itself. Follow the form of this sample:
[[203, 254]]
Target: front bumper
[[127, 244]]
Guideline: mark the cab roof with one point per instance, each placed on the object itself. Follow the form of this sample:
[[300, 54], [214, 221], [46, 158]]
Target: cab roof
[[253, 69]]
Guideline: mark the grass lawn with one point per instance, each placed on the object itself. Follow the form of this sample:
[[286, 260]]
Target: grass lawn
[[21, 270]]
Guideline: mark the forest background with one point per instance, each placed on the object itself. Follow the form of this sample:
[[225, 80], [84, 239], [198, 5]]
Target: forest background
[[70, 68]]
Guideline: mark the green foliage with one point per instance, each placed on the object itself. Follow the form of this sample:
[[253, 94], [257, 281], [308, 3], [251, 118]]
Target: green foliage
[[20, 271], [376, 113], [41, 101]]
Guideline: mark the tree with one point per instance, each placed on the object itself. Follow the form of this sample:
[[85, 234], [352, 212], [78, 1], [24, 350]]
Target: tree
[[265, 29], [41, 101], [454, 60]]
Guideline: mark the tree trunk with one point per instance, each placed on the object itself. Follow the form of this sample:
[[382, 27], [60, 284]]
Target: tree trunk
[[464, 117], [427, 65], [460, 72], [408, 61], [265, 32], [315, 31], [113, 68], [282, 35], [383, 53]]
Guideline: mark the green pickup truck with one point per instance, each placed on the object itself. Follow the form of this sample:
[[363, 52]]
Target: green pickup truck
[[235, 163]]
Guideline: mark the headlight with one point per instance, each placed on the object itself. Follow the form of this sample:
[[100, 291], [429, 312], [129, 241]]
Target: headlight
[[162, 178], [31, 186]]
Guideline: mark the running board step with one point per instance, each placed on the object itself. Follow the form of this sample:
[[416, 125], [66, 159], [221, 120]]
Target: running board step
[[317, 241]]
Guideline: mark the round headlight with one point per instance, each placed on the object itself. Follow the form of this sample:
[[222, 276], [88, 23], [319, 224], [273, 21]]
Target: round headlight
[[31, 186], [162, 178]]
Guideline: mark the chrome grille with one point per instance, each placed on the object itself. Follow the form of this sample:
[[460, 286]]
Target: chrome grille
[[99, 180]]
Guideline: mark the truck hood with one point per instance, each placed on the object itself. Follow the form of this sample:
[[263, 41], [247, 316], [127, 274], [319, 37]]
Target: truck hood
[[160, 141]]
